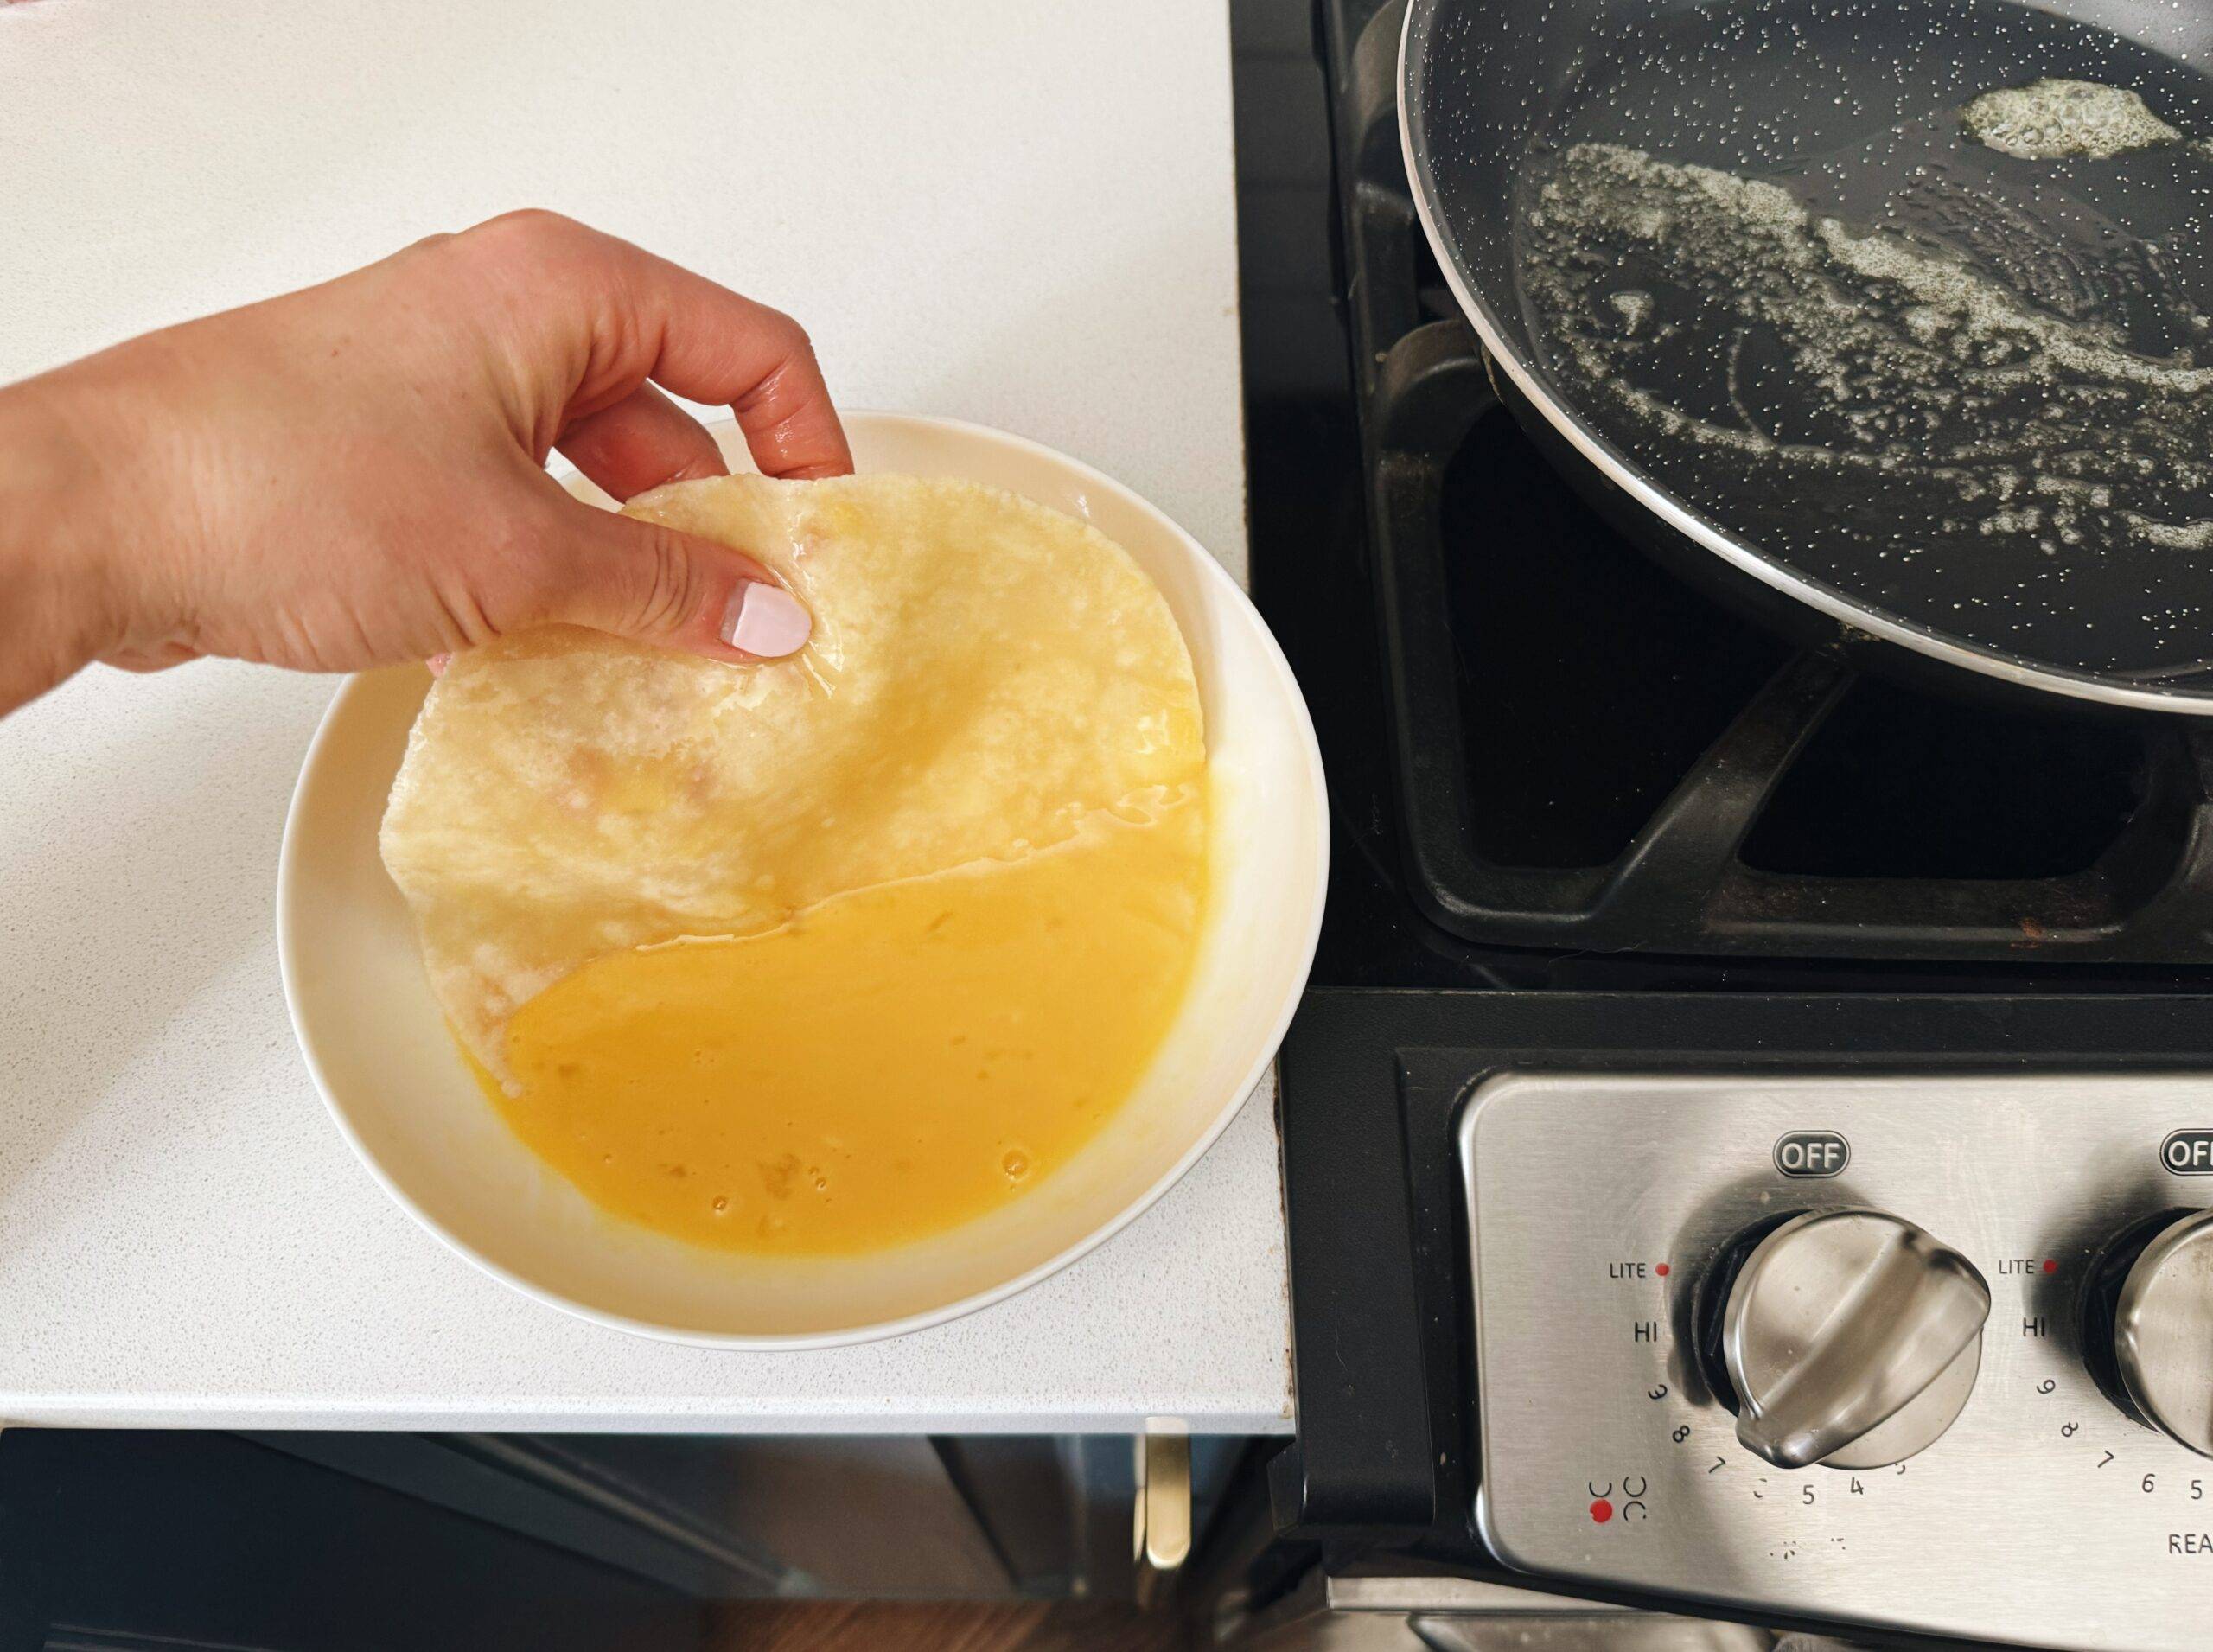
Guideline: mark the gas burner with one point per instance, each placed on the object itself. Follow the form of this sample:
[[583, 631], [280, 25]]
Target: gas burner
[[1591, 755]]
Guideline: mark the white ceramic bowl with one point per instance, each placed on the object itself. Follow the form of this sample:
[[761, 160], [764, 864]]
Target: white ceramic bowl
[[380, 1052]]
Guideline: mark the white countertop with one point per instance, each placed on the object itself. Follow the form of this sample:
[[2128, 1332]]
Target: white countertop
[[1017, 213]]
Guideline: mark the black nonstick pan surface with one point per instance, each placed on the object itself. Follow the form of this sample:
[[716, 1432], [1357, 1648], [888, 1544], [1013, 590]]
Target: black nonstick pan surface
[[1749, 275]]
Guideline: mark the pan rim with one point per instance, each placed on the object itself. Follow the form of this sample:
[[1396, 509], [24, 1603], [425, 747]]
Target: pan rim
[[1823, 598]]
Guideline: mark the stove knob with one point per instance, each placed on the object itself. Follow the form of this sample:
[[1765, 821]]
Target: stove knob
[[1849, 1337], [2160, 1279]]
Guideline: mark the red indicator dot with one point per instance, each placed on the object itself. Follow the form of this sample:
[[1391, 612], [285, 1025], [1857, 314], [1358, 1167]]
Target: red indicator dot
[[2050, 1266], [1602, 1511], [1661, 1268]]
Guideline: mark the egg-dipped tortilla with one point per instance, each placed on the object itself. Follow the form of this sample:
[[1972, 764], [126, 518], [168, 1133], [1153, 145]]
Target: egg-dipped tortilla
[[832, 952]]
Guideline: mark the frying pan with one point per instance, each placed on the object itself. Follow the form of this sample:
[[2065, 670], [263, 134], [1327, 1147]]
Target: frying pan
[[1745, 276]]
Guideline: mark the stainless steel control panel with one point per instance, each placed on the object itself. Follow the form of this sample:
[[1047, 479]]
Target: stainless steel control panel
[[1611, 1218]]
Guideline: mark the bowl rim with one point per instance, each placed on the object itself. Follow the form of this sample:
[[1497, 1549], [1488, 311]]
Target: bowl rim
[[875, 1330]]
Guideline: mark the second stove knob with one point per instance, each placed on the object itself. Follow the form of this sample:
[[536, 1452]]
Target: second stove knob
[[2154, 1288], [1850, 1337]]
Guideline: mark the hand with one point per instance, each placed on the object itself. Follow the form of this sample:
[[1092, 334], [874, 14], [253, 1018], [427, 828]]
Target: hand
[[353, 474]]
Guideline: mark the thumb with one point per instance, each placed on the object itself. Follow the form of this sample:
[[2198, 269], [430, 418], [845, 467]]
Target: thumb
[[646, 581]]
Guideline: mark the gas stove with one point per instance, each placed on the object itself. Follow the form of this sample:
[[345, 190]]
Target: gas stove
[[1675, 979]]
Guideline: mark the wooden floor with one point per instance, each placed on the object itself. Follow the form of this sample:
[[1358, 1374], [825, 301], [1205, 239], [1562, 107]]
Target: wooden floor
[[843, 1626]]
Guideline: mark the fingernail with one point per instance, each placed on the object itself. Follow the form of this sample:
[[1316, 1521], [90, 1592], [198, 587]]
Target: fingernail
[[766, 621]]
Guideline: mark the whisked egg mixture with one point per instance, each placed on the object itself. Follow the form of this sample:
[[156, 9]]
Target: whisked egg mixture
[[884, 1066]]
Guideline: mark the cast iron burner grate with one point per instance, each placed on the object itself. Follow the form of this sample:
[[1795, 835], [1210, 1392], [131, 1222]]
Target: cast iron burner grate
[[1591, 755]]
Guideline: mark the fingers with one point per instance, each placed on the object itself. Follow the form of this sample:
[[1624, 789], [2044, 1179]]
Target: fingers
[[644, 581], [646, 318], [716, 346], [641, 442], [607, 322]]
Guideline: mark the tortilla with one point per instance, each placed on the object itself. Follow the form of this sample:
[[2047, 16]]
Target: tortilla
[[983, 674]]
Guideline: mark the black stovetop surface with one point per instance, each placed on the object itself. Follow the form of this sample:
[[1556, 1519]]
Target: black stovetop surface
[[1914, 883], [1529, 728]]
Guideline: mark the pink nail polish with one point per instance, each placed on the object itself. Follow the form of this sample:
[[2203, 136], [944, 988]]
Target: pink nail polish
[[766, 621]]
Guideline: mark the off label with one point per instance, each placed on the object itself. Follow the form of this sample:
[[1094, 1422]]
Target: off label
[[2188, 1152], [1812, 1152]]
